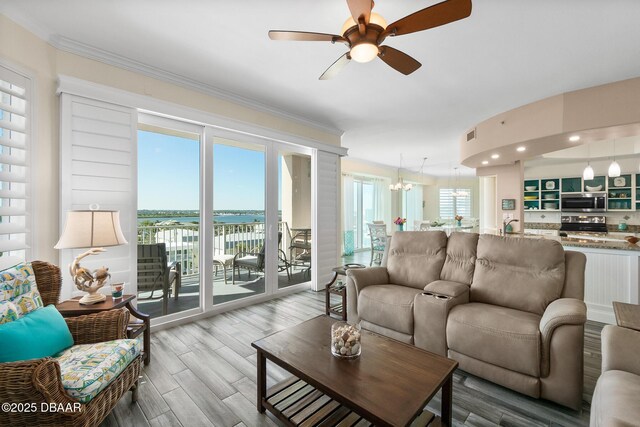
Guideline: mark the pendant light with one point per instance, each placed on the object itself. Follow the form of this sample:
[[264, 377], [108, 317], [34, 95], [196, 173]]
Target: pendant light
[[588, 174], [400, 185], [614, 167]]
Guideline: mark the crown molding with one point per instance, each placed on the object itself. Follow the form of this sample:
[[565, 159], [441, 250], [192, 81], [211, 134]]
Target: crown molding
[[87, 51], [223, 124]]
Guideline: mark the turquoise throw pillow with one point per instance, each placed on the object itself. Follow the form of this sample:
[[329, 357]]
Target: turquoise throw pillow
[[41, 333]]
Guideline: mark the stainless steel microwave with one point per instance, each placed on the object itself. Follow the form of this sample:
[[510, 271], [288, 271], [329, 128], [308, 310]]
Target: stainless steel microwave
[[584, 202]]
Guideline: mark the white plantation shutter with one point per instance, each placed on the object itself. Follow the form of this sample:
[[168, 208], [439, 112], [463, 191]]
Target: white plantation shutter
[[15, 130], [451, 206], [325, 236], [98, 166]]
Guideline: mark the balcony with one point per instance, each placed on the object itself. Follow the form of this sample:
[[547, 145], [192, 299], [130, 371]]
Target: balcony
[[182, 246]]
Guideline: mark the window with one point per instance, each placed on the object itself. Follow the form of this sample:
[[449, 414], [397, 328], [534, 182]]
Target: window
[[14, 160], [450, 205]]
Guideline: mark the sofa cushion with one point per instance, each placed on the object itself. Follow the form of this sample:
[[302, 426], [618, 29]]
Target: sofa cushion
[[87, 369], [615, 400], [390, 306], [519, 273], [42, 333], [460, 262], [415, 258], [497, 335]]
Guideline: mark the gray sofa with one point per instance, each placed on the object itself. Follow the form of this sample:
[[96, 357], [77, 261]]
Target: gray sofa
[[509, 310], [616, 400]]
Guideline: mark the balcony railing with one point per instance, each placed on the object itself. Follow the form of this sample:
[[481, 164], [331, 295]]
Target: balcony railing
[[183, 246]]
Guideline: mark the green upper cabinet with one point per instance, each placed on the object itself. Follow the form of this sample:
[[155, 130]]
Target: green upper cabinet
[[531, 194], [637, 191], [571, 185], [598, 183]]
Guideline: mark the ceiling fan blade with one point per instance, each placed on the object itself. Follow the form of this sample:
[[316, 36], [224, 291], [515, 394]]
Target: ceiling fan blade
[[360, 8], [336, 67], [430, 17], [398, 60], [303, 36]]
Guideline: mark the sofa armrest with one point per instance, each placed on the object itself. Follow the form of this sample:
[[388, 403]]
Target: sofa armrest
[[363, 277], [98, 327], [563, 311], [620, 349], [33, 382], [357, 280]]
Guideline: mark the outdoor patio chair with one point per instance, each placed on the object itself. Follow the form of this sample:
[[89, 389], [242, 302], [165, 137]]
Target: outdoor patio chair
[[378, 234], [254, 261], [156, 274]]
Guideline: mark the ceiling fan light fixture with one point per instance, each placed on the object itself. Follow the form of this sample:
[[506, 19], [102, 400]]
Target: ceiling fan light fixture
[[375, 18], [364, 52]]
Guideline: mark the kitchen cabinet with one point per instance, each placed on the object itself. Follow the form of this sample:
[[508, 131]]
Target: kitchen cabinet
[[623, 192]]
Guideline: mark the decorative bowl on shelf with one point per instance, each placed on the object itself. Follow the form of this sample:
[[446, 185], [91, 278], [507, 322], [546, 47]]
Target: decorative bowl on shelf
[[549, 196], [596, 188], [531, 187], [632, 239], [531, 197], [550, 206]]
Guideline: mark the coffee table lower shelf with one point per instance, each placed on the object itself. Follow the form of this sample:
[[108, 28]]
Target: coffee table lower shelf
[[296, 403]]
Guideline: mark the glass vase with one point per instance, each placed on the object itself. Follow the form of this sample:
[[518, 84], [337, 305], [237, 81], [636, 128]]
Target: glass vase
[[345, 340]]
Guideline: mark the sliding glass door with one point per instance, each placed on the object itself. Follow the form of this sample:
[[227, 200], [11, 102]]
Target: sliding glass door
[[239, 227], [221, 217], [168, 280], [294, 216]]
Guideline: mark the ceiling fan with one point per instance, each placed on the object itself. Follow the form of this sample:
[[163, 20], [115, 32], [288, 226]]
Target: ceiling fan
[[364, 32]]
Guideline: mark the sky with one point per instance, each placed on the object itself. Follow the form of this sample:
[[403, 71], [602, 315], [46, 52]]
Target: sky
[[168, 174]]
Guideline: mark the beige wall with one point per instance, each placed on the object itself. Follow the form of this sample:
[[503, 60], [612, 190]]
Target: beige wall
[[45, 63], [509, 182], [601, 112]]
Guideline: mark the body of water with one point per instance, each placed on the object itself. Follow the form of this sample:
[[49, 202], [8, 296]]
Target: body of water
[[226, 219]]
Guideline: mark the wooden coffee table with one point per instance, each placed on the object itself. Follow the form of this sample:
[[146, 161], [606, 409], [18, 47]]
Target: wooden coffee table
[[388, 385]]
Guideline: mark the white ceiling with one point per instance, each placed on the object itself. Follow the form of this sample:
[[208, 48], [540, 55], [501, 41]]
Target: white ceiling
[[508, 53]]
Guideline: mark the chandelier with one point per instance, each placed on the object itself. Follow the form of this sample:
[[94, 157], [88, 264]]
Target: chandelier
[[456, 191], [400, 185]]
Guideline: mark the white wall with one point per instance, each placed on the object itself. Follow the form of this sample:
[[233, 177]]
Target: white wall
[[46, 63]]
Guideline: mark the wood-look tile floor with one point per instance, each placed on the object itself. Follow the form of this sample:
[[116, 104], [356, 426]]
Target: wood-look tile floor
[[204, 374]]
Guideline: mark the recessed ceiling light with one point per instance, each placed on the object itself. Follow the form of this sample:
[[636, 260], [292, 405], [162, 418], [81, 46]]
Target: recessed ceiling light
[[495, 156], [574, 138], [521, 149], [485, 162]]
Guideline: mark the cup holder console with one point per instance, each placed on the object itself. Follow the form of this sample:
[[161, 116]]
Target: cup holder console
[[436, 296]]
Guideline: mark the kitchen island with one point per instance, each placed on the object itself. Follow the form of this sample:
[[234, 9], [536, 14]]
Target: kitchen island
[[612, 272]]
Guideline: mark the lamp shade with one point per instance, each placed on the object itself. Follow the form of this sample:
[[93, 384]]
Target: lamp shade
[[614, 169], [588, 173], [91, 229]]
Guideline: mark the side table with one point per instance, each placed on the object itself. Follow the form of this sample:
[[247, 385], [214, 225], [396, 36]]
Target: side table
[[140, 325], [627, 315], [339, 309]]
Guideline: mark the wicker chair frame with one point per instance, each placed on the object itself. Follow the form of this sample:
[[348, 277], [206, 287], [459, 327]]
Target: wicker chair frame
[[38, 381]]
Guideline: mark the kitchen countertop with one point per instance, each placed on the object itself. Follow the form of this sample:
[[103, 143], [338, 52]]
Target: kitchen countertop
[[611, 241]]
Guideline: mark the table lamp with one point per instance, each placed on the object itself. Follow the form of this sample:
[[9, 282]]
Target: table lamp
[[92, 229]]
